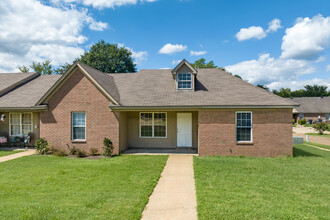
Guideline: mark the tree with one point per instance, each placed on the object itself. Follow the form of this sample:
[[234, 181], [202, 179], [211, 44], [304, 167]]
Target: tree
[[308, 91], [285, 93], [62, 69], [108, 58], [201, 64], [23, 69], [44, 68], [263, 87]]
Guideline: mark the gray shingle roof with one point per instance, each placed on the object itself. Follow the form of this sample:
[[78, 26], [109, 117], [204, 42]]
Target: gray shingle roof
[[214, 87], [312, 104], [28, 94], [9, 81]]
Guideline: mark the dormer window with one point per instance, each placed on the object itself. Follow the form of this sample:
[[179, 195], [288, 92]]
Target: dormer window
[[184, 81], [184, 75]]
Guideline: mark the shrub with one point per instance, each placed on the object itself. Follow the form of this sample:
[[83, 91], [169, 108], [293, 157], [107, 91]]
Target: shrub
[[108, 147], [73, 151], [42, 146], [93, 151], [302, 122], [293, 121], [80, 153], [320, 127]]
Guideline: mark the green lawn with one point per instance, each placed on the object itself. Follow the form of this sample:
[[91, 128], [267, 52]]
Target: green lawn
[[264, 188], [319, 135], [319, 145], [5, 153], [49, 187]]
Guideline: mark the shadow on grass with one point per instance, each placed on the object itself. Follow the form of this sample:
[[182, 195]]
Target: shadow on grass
[[301, 153]]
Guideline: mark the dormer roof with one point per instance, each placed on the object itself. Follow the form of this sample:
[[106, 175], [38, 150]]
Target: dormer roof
[[184, 62]]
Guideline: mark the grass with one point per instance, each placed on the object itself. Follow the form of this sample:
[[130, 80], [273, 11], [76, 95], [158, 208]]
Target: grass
[[49, 187], [319, 145], [264, 188], [9, 152], [319, 135]]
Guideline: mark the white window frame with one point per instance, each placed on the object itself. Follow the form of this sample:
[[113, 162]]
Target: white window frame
[[20, 123], [153, 124], [191, 81], [78, 126], [251, 141]]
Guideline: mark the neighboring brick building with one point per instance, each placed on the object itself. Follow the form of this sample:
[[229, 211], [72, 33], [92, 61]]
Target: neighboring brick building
[[199, 110], [311, 108]]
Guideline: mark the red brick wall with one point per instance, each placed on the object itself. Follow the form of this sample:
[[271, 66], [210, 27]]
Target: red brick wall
[[272, 133], [78, 94]]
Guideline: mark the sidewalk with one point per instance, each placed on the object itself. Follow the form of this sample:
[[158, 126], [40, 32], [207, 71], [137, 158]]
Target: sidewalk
[[17, 155], [174, 197]]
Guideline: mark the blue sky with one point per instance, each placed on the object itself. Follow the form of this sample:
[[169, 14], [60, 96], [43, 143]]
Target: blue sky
[[234, 34]]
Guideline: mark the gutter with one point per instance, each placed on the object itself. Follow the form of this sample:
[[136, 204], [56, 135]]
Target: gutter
[[33, 108], [119, 108]]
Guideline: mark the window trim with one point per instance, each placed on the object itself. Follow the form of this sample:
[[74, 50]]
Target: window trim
[[78, 126], [191, 81], [251, 141], [20, 123], [153, 124]]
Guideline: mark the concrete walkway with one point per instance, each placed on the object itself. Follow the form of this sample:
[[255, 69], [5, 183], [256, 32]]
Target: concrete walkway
[[174, 197], [320, 148], [17, 155]]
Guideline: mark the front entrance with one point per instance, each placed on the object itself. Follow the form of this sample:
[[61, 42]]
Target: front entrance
[[184, 129]]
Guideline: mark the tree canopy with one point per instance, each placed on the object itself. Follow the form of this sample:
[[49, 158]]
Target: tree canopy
[[108, 58], [263, 87], [45, 68], [202, 64], [308, 91]]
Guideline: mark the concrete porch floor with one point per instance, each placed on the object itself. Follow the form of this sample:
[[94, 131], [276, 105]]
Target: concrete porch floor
[[161, 151]]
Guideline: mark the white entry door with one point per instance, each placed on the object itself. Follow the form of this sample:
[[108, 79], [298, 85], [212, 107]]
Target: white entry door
[[184, 129]]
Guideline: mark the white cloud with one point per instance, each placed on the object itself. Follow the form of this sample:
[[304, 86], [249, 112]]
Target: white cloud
[[328, 68], [307, 38], [298, 84], [266, 69], [197, 53], [31, 31], [138, 56], [98, 26], [172, 48], [274, 25], [100, 4], [176, 62], [251, 32]]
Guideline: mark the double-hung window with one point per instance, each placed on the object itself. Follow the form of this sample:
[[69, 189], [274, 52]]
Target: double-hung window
[[301, 116], [153, 124], [184, 81], [244, 126], [78, 126], [20, 124]]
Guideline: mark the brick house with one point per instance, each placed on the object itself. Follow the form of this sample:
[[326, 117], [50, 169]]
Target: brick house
[[311, 108], [201, 110]]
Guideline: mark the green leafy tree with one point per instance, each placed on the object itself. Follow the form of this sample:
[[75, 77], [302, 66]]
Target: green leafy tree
[[308, 91], [24, 69], [62, 69], [108, 58], [285, 93], [43, 68], [263, 87]]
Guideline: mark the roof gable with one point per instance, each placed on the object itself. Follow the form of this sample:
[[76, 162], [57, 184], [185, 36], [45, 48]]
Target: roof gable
[[100, 80], [184, 62]]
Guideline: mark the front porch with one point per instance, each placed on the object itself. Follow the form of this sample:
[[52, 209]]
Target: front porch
[[158, 132]]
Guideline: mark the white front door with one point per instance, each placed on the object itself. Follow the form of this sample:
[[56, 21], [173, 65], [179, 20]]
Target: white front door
[[184, 129]]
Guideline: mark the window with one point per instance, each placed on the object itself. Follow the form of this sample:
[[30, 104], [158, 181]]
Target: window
[[301, 116], [244, 126], [153, 124], [20, 124], [327, 116], [78, 126], [184, 81]]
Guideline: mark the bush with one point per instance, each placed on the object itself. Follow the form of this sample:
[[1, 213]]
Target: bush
[[42, 146], [93, 151], [80, 153], [108, 147], [293, 121], [302, 122], [320, 127], [58, 152], [73, 151]]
